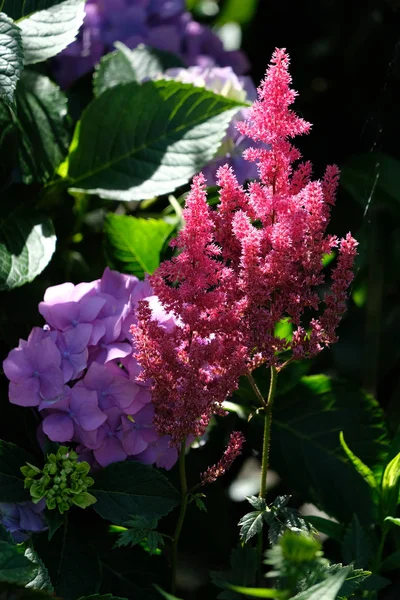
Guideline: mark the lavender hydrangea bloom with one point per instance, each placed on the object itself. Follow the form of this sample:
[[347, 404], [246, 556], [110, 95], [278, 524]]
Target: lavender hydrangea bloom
[[225, 82], [161, 24], [80, 373], [22, 518]]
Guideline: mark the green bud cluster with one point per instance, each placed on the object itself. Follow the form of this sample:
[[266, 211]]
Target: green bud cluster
[[63, 481]]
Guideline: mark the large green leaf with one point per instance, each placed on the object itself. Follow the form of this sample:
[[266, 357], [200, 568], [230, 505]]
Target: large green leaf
[[134, 245], [11, 57], [14, 566], [306, 451], [44, 138], [12, 458], [125, 65], [72, 562], [356, 546], [47, 32], [153, 138], [27, 243], [327, 589], [128, 489], [19, 9]]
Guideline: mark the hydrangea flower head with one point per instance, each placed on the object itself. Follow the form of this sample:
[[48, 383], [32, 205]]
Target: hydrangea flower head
[[161, 24], [242, 268]]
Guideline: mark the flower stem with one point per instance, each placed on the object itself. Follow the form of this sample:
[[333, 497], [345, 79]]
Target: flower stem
[[182, 512], [267, 432], [265, 452]]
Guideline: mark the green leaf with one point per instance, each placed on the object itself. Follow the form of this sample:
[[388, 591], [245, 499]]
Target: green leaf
[[125, 65], [391, 486], [12, 458], [257, 592], [134, 245], [393, 520], [54, 520], [11, 57], [327, 589], [305, 447], [391, 562], [41, 115], [27, 243], [154, 137], [127, 489], [356, 545], [237, 11], [251, 524], [14, 566], [355, 579], [5, 536], [164, 594], [243, 570], [72, 562], [47, 32], [361, 468], [330, 528], [19, 9], [42, 579]]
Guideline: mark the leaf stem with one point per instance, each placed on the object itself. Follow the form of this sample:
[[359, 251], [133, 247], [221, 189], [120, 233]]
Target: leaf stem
[[182, 513]]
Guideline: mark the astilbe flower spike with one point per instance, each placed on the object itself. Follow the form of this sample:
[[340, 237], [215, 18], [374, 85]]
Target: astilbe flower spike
[[242, 268], [232, 451]]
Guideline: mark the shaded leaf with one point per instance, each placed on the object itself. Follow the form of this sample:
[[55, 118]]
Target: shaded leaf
[[14, 566], [330, 528], [134, 245], [391, 562], [154, 137], [12, 458], [27, 243], [356, 545], [47, 32], [18, 9], [129, 489], [125, 65], [11, 57], [244, 565], [41, 114]]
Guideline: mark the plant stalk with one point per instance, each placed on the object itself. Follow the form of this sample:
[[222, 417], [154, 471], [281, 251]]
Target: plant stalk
[[182, 513]]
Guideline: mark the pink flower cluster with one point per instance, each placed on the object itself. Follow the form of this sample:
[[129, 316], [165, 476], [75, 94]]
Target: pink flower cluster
[[79, 372], [242, 268], [232, 451]]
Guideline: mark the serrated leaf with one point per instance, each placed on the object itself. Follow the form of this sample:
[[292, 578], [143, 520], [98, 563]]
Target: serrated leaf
[[362, 469], [125, 65], [330, 528], [72, 562], [42, 580], [391, 562], [12, 458], [27, 243], [305, 447], [256, 502], [11, 57], [356, 545], [19, 9], [154, 137], [244, 565], [327, 589], [134, 245], [47, 32], [355, 579], [14, 566], [131, 488], [41, 117], [250, 524]]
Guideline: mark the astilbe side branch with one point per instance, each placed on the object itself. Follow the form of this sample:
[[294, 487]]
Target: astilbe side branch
[[232, 451], [241, 268]]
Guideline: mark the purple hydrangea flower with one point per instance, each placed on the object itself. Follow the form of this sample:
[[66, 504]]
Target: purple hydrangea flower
[[80, 372], [20, 519], [161, 24]]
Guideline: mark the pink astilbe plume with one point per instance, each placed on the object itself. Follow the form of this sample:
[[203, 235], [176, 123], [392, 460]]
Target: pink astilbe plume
[[232, 451], [243, 267]]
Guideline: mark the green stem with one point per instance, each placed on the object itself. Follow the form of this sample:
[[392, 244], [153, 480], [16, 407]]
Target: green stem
[[182, 512], [267, 432]]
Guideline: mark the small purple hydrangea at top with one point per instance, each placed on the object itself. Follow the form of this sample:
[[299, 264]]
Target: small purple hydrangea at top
[[79, 372], [224, 81], [162, 24], [22, 518]]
